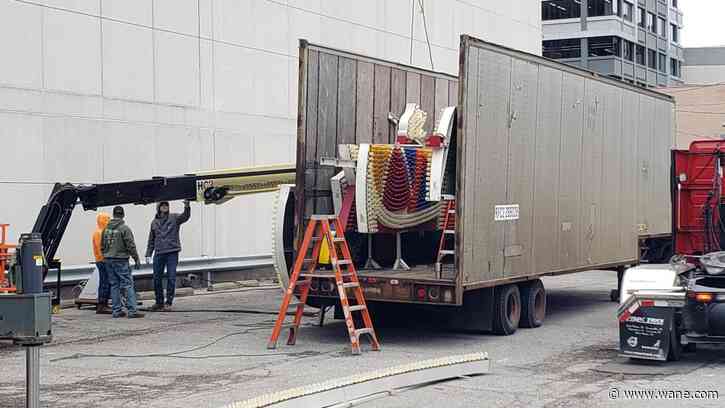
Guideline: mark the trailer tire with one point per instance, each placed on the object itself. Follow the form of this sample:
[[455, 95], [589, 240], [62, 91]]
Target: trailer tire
[[533, 304], [507, 309]]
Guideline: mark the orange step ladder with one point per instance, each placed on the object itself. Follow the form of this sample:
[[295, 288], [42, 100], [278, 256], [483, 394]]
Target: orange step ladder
[[449, 231], [320, 230]]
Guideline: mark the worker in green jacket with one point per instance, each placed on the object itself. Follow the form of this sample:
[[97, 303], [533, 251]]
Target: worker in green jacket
[[117, 245]]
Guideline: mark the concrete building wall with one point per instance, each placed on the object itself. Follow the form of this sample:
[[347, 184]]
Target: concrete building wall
[[704, 66], [107, 90], [700, 112]]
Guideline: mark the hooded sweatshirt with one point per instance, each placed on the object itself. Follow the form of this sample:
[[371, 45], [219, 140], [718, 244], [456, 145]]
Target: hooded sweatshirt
[[117, 241], [164, 232], [101, 220]]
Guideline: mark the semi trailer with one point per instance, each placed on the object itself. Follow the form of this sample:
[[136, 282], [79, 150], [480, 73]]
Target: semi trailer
[[546, 169]]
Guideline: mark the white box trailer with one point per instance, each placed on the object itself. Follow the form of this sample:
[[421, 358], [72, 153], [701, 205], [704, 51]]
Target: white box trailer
[[578, 161]]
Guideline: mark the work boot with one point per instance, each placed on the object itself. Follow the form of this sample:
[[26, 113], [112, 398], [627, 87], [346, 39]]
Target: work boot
[[121, 314], [103, 309], [156, 308], [137, 315]]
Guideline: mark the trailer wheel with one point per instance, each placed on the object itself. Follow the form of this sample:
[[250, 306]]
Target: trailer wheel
[[533, 302], [507, 309]]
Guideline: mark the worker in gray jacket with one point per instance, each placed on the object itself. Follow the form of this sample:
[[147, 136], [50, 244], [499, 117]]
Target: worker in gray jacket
[[117, 245], [165, 245]]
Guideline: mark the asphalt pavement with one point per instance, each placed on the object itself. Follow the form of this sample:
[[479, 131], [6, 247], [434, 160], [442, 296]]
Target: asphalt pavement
[[211, 351]]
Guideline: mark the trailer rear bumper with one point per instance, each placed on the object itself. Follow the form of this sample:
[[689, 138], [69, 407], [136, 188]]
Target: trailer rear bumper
[[392, 290]]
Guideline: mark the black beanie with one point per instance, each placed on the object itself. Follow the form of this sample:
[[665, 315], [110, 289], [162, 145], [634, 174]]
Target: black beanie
[[118, 211]]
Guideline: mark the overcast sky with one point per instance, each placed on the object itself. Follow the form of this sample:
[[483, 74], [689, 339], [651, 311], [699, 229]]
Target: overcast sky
[[704, 23]]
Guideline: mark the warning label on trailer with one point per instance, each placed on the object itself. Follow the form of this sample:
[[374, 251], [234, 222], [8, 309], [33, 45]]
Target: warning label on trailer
[[506, 212]]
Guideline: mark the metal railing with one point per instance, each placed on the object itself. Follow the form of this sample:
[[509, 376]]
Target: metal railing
[[77, 273]]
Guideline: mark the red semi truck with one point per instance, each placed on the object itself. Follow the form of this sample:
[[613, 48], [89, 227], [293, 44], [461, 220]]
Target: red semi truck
[[667, 308]]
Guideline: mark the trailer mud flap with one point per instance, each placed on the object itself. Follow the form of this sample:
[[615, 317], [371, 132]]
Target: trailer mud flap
[[645, 332], [476, 315]]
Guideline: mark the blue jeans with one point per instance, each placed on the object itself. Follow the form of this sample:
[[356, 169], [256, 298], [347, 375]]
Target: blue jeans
[[104, 286], [119, 274], [169, 262]]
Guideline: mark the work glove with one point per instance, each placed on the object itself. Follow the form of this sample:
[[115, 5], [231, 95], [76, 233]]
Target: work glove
[[148, 260]]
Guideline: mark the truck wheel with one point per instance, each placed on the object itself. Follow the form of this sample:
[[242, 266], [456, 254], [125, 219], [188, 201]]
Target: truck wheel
[[533, 303], [675, 346], [507, 309]]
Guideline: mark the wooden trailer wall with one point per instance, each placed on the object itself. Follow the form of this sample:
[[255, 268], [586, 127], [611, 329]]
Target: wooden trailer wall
[[586, 158], [346, 98]]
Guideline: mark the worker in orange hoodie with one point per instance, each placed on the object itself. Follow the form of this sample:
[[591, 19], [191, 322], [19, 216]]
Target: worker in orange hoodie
[[104, 286]]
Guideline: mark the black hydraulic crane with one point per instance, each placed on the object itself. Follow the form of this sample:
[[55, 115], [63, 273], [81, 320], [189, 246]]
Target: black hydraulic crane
[[209, 187]]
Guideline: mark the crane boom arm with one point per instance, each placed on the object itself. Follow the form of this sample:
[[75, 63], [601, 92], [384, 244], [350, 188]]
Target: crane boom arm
[[209, 187]]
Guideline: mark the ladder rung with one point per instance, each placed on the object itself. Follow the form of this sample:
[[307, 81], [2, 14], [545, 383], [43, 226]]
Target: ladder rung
[[323, 217], [451, 211], [294, 303], [287, 326], [366, 330], [347, 285], [338, 239], [447, 252], [323, 275], [449, 231], [342, 262], [302, 283], [357, 308], [307, 260]]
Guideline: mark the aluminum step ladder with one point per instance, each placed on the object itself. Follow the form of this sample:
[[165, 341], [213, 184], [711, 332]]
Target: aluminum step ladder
[[320, 232]]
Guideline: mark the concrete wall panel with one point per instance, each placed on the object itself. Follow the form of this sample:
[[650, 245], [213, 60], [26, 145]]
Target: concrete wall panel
[[177, 69], [128, 151], [75, 55], [83, 6], [233, 80], [181, 16], [132, 11], [20, 44], [78, 162], [128, 61], [21, 134]]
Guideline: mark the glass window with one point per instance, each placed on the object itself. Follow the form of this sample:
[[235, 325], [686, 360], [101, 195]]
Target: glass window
[[651, 22], [627, 11], [556, 49], [662, 26], [652, 59], [559, 9], [674, 67], [662, 63], [675, 33], [604, 46], [641, 17], [603, 8], [639, 57], [628, 49]]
